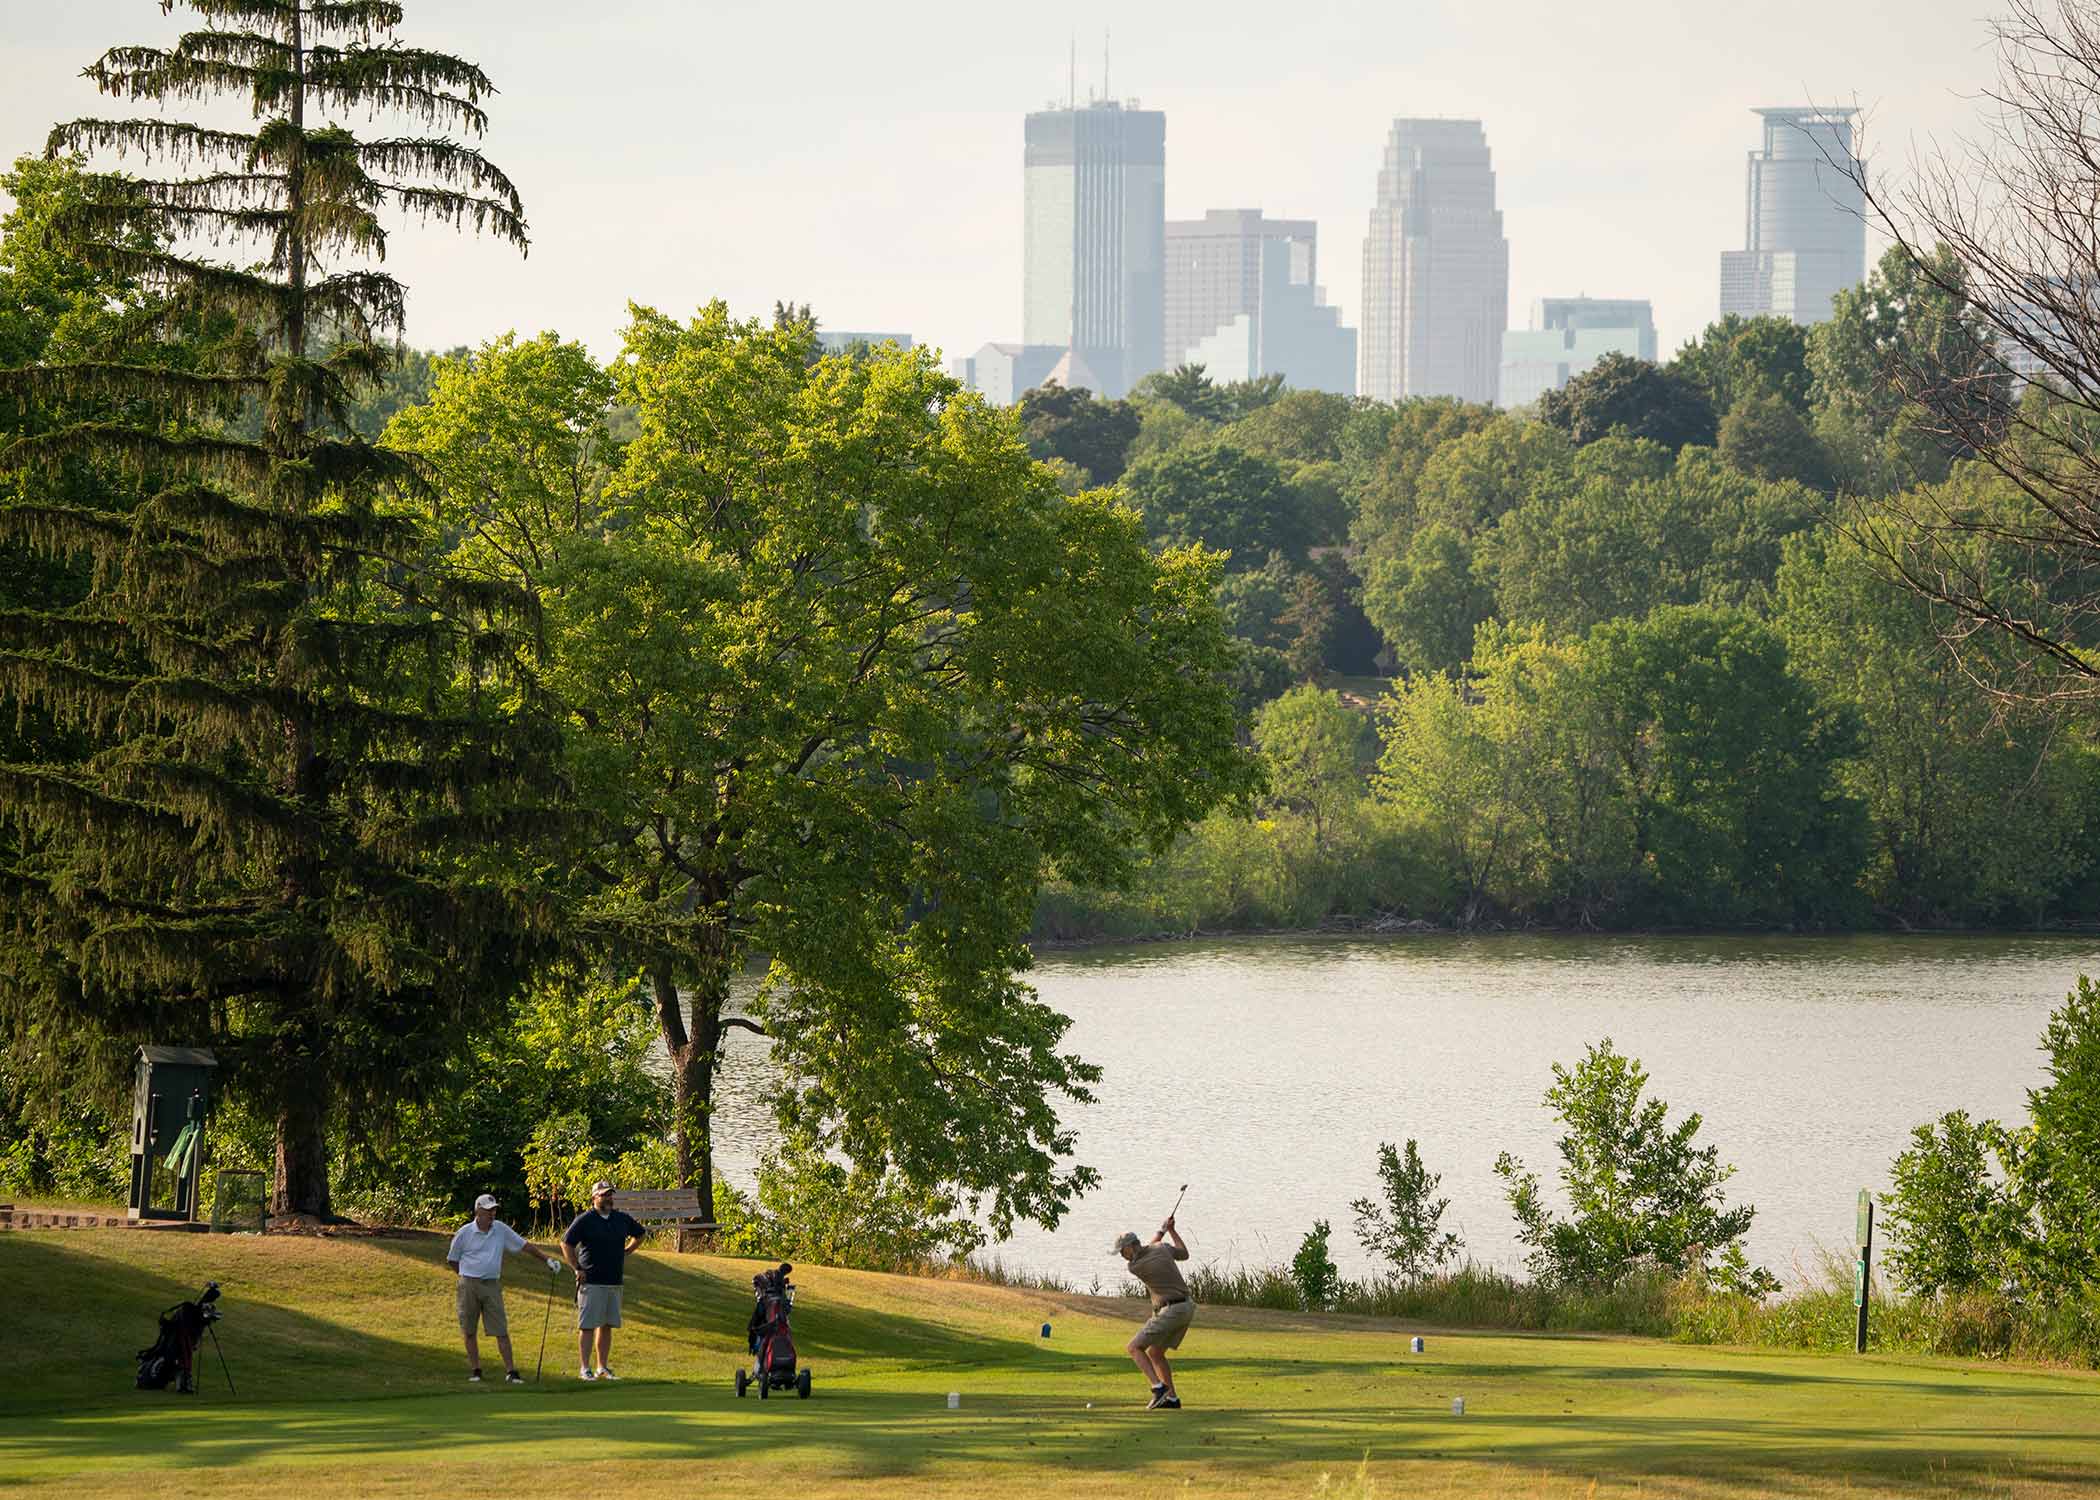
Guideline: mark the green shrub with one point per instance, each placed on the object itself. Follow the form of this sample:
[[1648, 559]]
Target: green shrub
[[1313, 1271], [1640, 1194], [66, 1143], [2056, 1161], [1947, 1216], [1406, 1230], [564, 1080], [812, 1207]]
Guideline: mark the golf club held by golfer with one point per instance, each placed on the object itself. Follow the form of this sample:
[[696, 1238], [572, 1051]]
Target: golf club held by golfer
[[1176, 1208]]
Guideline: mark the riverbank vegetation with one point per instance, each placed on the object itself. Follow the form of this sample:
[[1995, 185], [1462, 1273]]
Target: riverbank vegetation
[[1641, 687]]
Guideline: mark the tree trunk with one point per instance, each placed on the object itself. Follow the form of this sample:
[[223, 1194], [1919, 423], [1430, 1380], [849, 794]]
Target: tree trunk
[[692, 1057], [301, 1185]]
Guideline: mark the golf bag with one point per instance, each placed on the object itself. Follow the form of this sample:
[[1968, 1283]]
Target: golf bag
[[172, 1356], [772, 1341]]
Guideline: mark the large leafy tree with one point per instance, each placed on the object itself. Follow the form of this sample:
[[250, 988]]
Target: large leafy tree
[[1740, 357], [1910, 327], [1729, 767], [1385, 449], [307, 743], [1095, 436], [1980, 812], [1633, 530], [1223, 497], [845, 675], [1427, 602], [1765, 436], [1647, 400], [1316, 748]]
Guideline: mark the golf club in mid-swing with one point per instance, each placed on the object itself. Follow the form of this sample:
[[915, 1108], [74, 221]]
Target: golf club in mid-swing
[[1177, 1202]]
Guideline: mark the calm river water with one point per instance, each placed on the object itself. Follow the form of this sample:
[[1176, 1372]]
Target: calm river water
[[1264, 1072]]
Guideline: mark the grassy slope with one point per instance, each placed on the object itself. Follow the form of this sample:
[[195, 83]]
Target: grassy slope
[[350, 1377]]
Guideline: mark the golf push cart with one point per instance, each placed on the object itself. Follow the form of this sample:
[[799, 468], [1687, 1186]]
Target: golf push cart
[[772, 1344]]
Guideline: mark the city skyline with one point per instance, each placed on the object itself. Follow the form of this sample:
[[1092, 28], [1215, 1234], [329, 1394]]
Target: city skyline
[[886, 199]]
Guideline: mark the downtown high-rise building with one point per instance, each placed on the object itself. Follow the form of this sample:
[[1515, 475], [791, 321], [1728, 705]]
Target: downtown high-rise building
[[1436, 268], [1244, 300], [1567, 336], [1805, 228], [1093, 238]]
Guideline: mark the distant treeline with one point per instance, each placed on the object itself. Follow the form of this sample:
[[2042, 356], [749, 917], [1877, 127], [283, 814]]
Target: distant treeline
[[1633, 658]]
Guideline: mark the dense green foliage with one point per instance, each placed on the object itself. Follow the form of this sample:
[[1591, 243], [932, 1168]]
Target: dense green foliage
[[1941, 1211], [295, 741], [1645, 658], [1313, 1272], [2009, 1217], [330, 754], [1624, 394], [1640, 1195], [838, 680]]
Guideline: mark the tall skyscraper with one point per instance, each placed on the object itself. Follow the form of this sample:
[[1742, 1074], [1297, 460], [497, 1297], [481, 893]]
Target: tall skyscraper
[[1566, 337], [1095, 205], [1436, 267], [1804, 225], [1244, 300]]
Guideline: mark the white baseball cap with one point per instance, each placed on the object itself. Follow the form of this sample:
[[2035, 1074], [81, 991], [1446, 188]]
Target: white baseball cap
[[486, 1200]]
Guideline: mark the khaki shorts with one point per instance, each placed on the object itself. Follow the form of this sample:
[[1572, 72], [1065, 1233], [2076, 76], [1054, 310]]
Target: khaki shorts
[[1163, 1330], [597, 1306], [481, 1299]]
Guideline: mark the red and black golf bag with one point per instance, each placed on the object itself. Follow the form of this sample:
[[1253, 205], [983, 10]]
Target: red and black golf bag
[[170, 1359], [771, 1339]]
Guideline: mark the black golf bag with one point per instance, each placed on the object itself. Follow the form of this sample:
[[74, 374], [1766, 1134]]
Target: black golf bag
[[172, 1356], [771, 1340]]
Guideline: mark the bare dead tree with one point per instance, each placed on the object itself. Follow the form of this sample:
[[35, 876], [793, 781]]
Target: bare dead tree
[[2005, 227]]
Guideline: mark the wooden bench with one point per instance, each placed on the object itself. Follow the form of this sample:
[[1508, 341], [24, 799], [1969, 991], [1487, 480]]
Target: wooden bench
[[680, 1206]]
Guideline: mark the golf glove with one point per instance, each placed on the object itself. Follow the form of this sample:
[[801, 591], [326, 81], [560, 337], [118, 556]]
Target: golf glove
[[553, 1265]]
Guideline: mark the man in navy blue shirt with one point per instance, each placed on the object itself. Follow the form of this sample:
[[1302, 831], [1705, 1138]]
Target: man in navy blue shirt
[[596, 1249]]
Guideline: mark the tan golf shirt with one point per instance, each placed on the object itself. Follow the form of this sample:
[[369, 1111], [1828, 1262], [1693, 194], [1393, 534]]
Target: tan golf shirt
[[1154, 1265]]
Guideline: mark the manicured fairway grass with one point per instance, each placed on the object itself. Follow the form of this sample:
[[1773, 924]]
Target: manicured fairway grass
[[351, 1383]]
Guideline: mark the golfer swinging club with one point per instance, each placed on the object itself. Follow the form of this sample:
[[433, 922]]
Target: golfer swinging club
[[477, 1253], [1172, 1310]]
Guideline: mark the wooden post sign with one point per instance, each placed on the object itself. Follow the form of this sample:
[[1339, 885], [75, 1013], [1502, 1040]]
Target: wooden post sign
[[1863, 1267]]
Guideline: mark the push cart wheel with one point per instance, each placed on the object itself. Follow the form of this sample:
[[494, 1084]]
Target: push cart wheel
[[765, 1386], [742, 1380], [802, 1385]]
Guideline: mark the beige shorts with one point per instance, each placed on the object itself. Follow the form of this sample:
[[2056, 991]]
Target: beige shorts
[[597, 1306], [481, 1300], [1163, 1330]]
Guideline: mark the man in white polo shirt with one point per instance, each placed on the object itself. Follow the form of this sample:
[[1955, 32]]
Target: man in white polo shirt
[[477, 1254]]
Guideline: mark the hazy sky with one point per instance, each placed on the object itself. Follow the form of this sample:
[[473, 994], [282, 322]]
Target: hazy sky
[[866, 158]]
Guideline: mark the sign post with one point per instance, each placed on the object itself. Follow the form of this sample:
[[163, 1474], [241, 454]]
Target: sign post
[[1863, 1268]]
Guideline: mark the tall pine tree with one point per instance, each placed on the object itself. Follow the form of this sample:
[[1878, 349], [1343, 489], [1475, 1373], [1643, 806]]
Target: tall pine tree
[[313, 753]]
